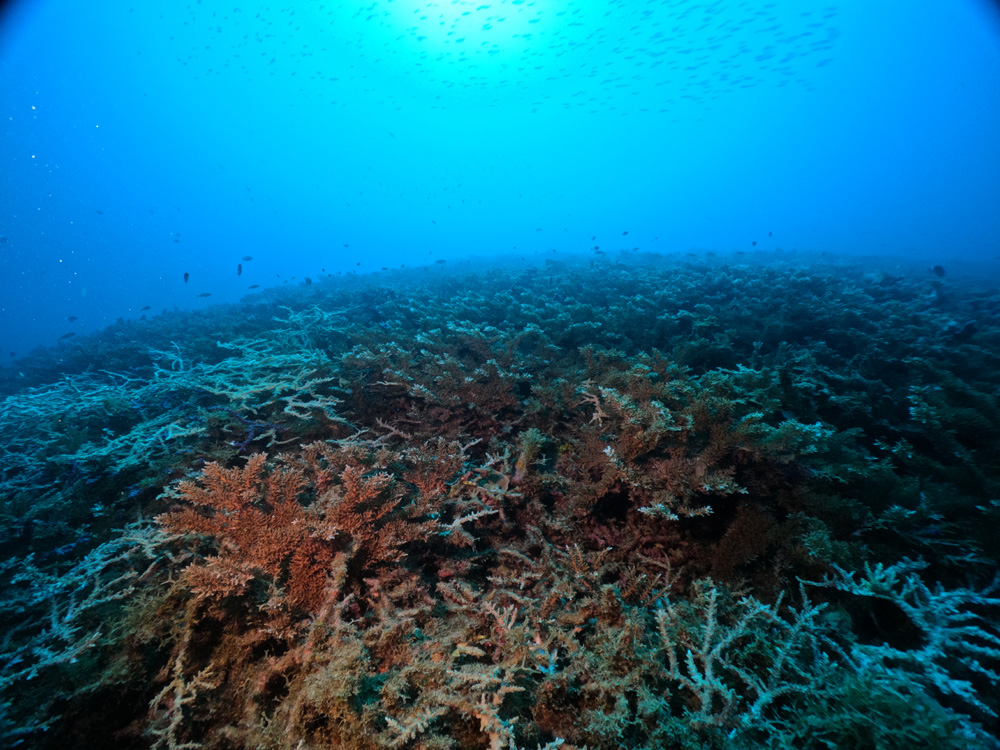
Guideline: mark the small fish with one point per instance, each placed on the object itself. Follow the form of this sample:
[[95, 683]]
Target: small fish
[[769, 234], [239, 269], [308, 281], [440, 261], [938, 271], [205, 294], [144, 308], [254, 286], [624, 233], [3, 239], [67, 336], [754, 243], [101, 213], [186, 277], [72, 318], [247, 257]]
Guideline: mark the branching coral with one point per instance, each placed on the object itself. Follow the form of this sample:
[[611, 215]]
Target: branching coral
[[483, 513], [957, 639]]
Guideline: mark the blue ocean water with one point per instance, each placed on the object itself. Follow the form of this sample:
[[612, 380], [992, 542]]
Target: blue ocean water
[[148, 143]]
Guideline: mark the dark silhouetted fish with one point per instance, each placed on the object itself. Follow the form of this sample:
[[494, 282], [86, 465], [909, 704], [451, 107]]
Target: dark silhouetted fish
[[144, 308], [308, 281], [186, 277], [239, 269], [938, 270], [67, 336], [248, 257], [205, 294], [72, 318], [254, 286]]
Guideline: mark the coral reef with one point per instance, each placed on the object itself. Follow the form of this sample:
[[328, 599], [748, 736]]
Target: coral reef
[[643, 505]]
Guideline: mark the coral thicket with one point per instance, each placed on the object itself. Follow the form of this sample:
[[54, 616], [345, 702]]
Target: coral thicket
[[657, 505]]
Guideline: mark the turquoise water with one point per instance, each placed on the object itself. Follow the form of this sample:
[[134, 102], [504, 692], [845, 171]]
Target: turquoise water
[[145, 141]]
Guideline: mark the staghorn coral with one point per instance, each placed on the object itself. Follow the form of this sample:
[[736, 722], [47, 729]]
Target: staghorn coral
[[485, 509], [414, 643], [957, 639], [43, 660]]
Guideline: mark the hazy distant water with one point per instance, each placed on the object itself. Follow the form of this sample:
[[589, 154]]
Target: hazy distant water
[[142, 142]]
